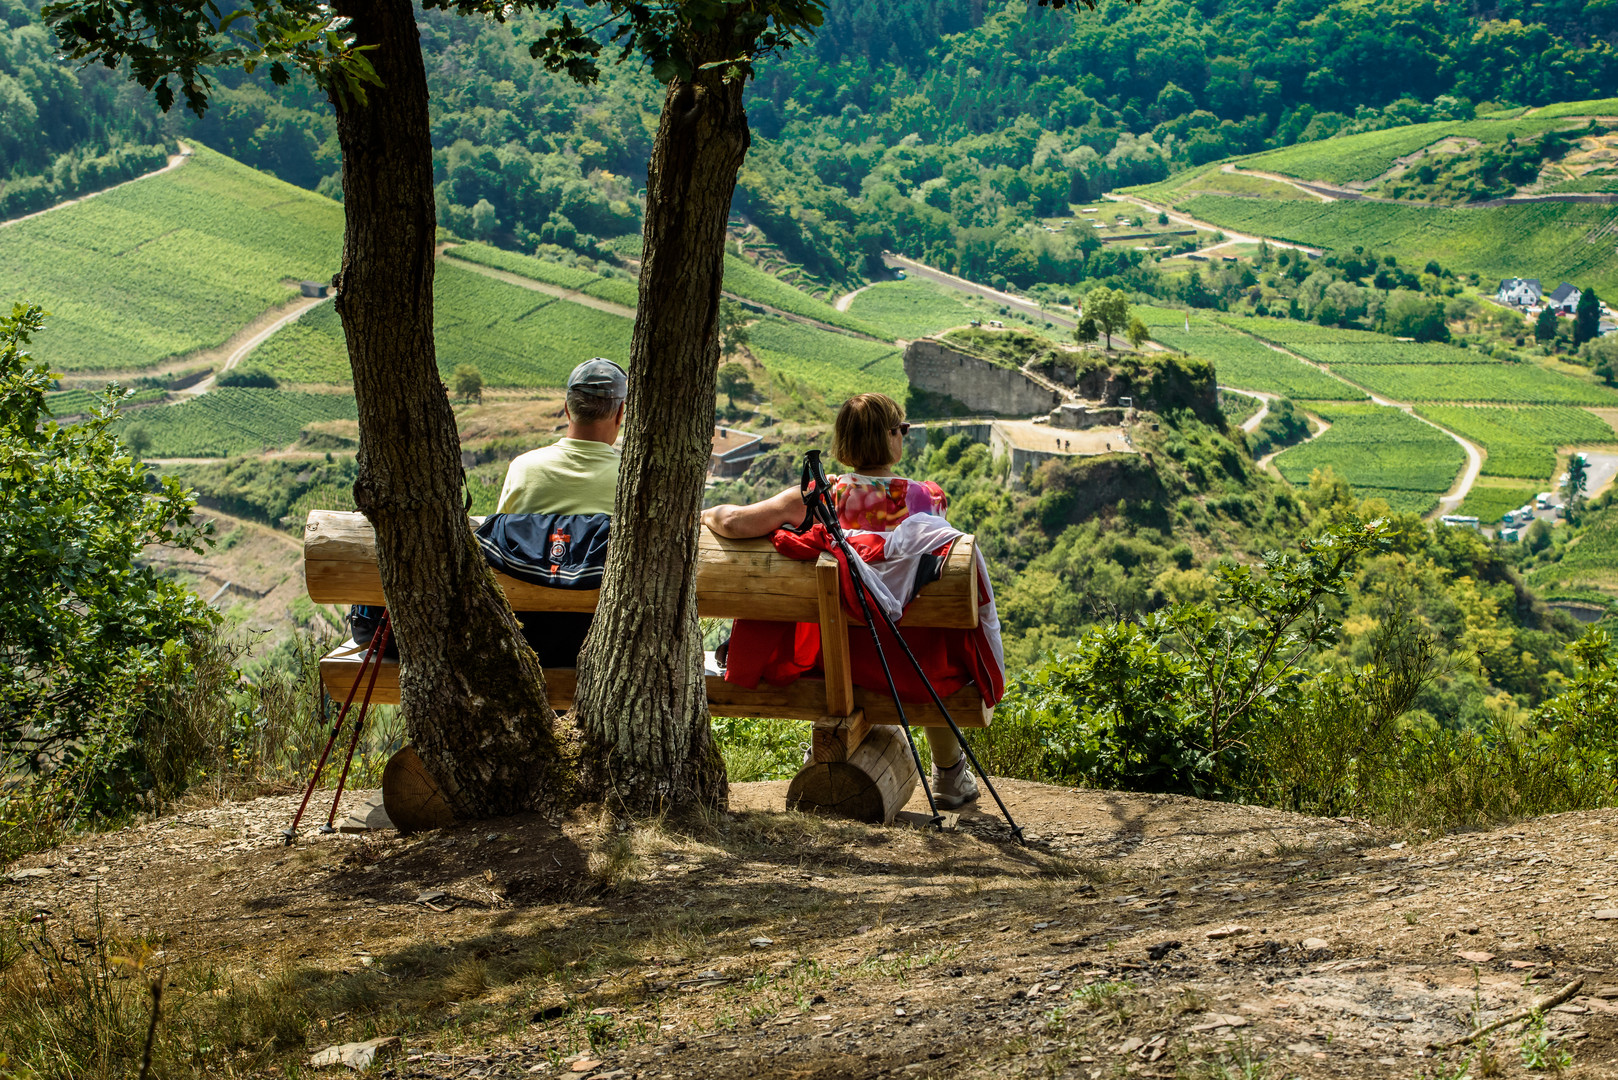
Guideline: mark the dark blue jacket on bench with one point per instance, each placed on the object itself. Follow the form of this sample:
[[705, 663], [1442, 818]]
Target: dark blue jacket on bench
[[556, 551]]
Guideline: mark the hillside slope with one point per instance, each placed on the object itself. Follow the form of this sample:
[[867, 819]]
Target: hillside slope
[[167, 265]]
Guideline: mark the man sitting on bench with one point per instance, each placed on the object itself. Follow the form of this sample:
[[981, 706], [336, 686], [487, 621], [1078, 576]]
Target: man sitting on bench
[[577, 474]]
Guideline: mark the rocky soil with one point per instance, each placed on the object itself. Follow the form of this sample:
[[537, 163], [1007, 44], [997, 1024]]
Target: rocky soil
[[1135, 936]]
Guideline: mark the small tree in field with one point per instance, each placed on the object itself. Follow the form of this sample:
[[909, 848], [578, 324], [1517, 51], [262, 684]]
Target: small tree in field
[[1087, 332], [733, 380], [1586, 318], [1545, 326], [1137, 333], [468, 383], [1109, 308]]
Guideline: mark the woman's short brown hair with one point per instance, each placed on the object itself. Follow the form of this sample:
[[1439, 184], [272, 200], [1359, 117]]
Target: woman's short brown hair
[[859, 439]]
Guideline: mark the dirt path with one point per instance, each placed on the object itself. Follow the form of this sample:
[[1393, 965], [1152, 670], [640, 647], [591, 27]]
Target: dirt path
[[1231, 237], [842, 302], [250, 337], [1138, 935], [1251, 424], [446, 252], [175, 161], [1474, 453], [1289, 181]]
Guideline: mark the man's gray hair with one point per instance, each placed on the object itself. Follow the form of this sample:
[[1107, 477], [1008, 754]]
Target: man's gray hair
[[590, 408]]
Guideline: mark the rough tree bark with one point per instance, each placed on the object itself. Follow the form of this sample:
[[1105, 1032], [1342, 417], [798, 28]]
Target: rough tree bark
[[473, 693], [641, 703]]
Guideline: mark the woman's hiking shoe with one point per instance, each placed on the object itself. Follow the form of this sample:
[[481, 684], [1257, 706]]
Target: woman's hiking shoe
[[955, 786]]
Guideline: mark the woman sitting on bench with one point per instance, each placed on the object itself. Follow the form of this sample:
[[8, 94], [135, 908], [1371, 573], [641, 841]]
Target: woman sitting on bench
[[871, 499]]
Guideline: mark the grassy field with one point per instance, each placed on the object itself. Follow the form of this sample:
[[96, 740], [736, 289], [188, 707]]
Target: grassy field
[[234, 420], [1555, 241], [515, 336], [1240, 361], [909, 309], [1523, 384], [169, 265], [1521, 443], [1378, 448], [830, 367]]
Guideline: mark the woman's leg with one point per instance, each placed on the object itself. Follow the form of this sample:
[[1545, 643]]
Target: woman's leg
[[945, 746]]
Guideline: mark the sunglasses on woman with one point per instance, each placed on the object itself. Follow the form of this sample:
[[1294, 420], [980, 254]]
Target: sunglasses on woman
[[902, 429]]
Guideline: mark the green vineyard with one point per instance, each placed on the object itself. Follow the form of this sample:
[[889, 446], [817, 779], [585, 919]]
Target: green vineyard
[[231, 420], [1378, 448], [749, 282], [514, 336], [64, 403], [830, 367], [1490, 504], [1523, 384], [1386, 351], [909, 309], [1370, 154], [1553, 241], [167, 265], [1522, 443], [1247, 364]]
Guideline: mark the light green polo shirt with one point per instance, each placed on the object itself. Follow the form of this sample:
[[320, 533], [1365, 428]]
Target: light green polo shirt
[[570, 476]]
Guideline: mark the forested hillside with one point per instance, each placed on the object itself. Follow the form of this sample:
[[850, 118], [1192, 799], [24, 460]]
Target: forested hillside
[[952, 125]]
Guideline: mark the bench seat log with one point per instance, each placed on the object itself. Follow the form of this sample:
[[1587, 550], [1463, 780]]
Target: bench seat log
[[801, 700], [736, 579]]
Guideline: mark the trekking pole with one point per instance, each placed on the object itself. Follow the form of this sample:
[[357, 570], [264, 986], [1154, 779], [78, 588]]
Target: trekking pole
[[384, 630], [291, 834], [813, 471]]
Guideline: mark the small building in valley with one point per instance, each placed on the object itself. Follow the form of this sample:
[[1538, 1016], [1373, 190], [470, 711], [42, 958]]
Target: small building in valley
[[1520, 292], [317, 289], [733, 451], [1565, 300]]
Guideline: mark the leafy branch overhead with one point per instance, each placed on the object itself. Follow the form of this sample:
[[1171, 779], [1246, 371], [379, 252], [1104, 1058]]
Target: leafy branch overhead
[[180, 42]]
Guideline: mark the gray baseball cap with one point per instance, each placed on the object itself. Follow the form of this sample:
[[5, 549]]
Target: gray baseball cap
[[600, 377]]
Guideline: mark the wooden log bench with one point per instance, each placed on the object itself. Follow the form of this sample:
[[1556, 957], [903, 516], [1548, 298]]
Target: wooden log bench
[[860, 766]]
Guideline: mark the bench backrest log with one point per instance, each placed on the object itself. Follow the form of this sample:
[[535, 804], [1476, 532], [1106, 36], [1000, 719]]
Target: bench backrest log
[[736, 579]]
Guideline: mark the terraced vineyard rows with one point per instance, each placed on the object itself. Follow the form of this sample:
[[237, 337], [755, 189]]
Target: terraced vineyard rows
[[515, 336], [1243, 362], [1370, 154], [234, 420], [1379, 451], [1490, 503], [746, 280], [909, 309], [1510, 383], [1562, 241], [168, 265], [830, 367], [77, 402], [1521, 442]]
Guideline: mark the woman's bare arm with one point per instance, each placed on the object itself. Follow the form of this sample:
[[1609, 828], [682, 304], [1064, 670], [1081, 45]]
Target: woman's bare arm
[[756, 519]]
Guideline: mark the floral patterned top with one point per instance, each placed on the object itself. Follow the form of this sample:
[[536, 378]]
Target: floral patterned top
[[879, 503]]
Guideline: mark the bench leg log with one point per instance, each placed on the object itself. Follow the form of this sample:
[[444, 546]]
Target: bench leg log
[[872, 785]]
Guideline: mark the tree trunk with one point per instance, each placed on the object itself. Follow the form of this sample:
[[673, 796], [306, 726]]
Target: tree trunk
[[641, 702], [473, 693]]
